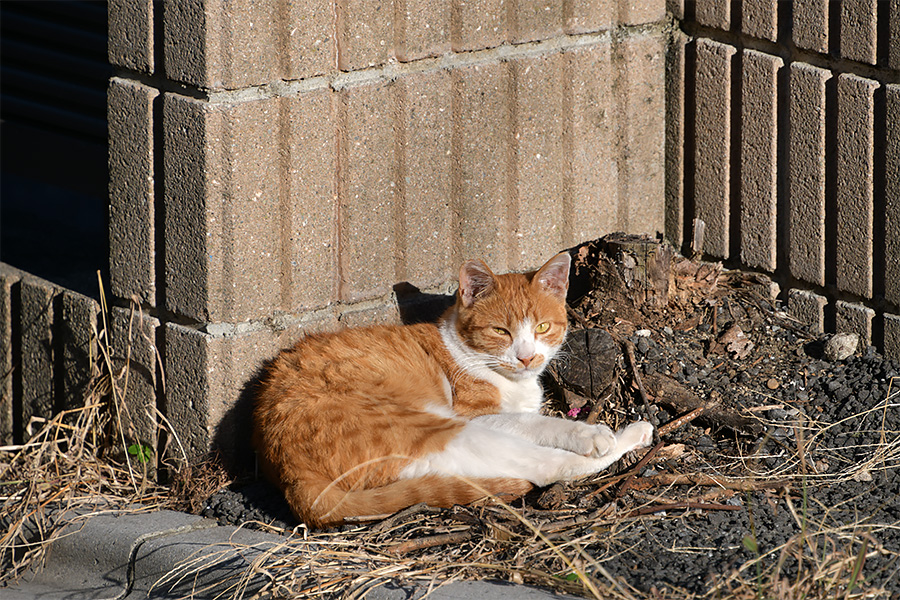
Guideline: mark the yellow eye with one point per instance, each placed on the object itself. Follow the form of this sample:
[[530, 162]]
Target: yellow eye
[[542, 328], [500, 331]]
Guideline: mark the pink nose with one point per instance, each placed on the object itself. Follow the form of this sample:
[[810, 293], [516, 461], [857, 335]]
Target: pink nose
[[526, 360]]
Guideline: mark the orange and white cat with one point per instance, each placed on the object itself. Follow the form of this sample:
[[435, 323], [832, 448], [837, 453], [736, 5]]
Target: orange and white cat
[[369, 421]]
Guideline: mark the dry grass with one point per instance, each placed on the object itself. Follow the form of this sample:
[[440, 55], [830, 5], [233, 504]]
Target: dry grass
[[80, 457]]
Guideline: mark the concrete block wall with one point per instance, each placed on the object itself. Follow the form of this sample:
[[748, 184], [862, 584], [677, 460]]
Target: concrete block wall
[[783, 135], [285, 167]]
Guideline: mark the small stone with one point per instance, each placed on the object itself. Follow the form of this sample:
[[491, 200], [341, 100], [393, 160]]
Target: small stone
[[772, 384], [841, 346], [644, 333]]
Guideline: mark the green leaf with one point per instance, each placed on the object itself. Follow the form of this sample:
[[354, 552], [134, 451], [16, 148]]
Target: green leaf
[[750, 544]]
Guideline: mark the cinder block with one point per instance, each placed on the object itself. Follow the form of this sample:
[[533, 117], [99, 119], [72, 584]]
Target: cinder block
[[368, 182], [132, 218], [676, 8], [639, 12], [481, 134], [855, 180], [810, 24], [535, 20], [209, 385], [892, 336], [310, 259], [385, 313], [759, 18], [38, 349], [364, 33], [594, 180], [714, 13], [477, 24], [539, 208], [78, 327], [854, 318], [9, 345], [308, 36], [759, 166], [218, 45], [130, 41], [712, 160], [675, 95], [586, 16], [642, 176], [859, 30], [422, 29], [894, 34], [808, 308], [224, 208], [133, 345], [807, 172], [892, 196], [425, 181]]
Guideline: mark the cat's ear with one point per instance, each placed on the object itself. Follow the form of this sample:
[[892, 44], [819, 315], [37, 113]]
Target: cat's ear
[[475, 280], [553, 277]]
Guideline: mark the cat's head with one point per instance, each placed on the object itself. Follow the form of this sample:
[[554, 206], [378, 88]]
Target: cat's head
[[513, 323]]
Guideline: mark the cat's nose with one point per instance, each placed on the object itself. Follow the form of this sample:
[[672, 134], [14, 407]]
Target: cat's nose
[[526, 360]]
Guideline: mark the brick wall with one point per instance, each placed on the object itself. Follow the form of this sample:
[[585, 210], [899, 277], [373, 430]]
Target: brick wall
[[783, 137], [279, 167]]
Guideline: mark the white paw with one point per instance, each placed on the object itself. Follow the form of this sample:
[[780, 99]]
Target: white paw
[[596, 441], [637, 435]]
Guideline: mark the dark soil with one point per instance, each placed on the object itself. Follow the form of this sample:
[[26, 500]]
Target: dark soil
[[815, 443]]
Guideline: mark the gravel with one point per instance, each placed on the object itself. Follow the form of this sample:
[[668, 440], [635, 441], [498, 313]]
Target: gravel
[[838, 411]]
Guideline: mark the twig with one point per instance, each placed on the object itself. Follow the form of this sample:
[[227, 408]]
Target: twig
[[572, 313], [744, 485], [681, 421], [415, 509], [629, 352], [637, 468], [431, 541], [649, 510]]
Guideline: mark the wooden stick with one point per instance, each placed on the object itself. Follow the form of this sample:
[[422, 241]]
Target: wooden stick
[[744, 485], [430, 542], [629, 352], [637, 468], [681, 421]]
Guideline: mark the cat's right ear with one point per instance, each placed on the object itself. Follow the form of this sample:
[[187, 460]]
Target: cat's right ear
[[475, 280]]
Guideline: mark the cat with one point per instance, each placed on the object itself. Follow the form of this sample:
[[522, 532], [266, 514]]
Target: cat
[[369, 421]]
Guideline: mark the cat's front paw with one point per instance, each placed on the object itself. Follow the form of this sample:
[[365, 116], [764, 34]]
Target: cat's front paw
[[598, 440]]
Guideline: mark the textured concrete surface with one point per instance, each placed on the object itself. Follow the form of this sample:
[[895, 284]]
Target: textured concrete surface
[[759, 159], [810, 25], [675, 103], [859, 30], [364, 33], [36, 317], [641, 176], [855, 183], [535, 20], [892, 197], [132, 185], [131, 34], [759, 18], [712, 154], [713, 13], [808, 308], [595, 166], [166, 554], [807, 172], [422, 29], [79, 321], [9, 342], [589, 15], [892, 336], [133, 340], [478, 24], [854, 318]]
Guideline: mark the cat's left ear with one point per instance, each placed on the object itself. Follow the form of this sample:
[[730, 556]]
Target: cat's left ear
[[553, 277]]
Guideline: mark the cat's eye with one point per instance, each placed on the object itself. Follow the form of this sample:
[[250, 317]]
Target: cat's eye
[[542, 328], [500, 331]]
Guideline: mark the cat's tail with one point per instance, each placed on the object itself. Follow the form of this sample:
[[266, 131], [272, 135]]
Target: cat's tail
[[332, 505]]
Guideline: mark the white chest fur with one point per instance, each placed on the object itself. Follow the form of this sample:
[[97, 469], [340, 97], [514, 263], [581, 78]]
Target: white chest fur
[[516, 395]]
